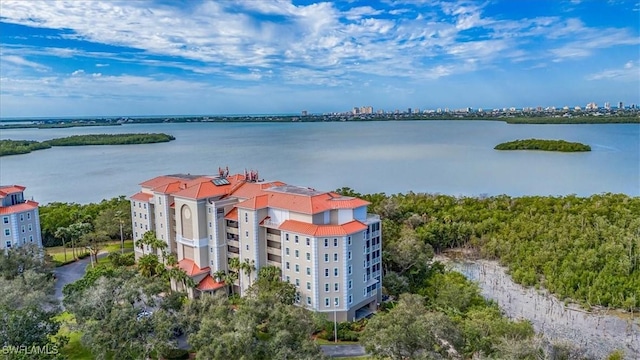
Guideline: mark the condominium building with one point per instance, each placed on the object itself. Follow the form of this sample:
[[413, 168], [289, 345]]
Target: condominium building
[[20, 218], [326, 244]]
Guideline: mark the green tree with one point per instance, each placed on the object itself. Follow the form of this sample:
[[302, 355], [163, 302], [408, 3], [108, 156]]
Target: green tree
[[410, 331]]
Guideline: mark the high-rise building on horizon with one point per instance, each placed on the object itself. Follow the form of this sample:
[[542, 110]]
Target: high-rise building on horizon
[[326, 244]]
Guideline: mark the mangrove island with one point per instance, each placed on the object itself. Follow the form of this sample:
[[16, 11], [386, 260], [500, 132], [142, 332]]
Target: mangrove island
[[15, 147], [545, 145]]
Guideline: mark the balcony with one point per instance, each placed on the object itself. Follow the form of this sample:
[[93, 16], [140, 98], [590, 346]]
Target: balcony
[[274, 244], [268, 223], [273, 237], [232, 224], [233, 231], [233, 249], [234, 243], [274, 258]]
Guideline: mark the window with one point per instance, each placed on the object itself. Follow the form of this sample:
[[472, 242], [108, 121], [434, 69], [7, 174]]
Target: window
[[5, 219], [297, 254], [335, 242], [247, 247], [326, 301], [23, 229], [296, 239], [297, 268], [136, 234], [207, 209], [28, 216], [350, 299], [335, 272], [159, 200], [326, 271], [350, 270], [161, 227], [145, 206], [326, 242], [349, 255], [246, 217], [286, 251], [146, 227], [246, 234], [308, 241], [308, 256], [335, 257], [308, 285], [8, 244], [288, 278], [209, 223], [349, 240], [286, 237], [364, 277], [364, 292], [134, 214], [211, 262], [7, 232], [326, 287], [21, 217], [31, 238], [287, 266], [350, 284], [308, 271], [326, 257], [139, 204], [336, 301], [297, 282], [211, 250], [308, 300], [336, 287]]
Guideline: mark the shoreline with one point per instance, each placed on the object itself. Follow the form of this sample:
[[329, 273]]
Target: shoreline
[[599, 332]]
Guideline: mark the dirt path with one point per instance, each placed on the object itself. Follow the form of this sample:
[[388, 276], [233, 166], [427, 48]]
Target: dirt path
[[598, 333]]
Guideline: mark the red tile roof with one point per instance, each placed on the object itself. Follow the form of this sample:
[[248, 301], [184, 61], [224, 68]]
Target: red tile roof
[[232, 215], [191, 268], [10, 189], [247, 190], [159, 181], [322, 230], [254, 203], [141, 197], [25, 206], [209, 284]]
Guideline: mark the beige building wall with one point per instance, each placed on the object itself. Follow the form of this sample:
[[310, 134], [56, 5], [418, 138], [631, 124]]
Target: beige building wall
[[19, 229]]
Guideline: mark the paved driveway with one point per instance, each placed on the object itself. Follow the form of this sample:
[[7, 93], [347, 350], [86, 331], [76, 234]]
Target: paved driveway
[[337, 351], [71, 272]]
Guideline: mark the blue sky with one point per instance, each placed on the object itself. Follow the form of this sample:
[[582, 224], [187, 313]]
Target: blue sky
[[92, 58]]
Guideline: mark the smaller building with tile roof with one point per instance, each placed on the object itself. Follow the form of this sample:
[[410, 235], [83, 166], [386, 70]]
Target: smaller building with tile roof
[[326, 244], [20, 219]]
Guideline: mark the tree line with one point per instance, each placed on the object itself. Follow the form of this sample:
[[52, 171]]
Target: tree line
[[586, 249], [14, 147]]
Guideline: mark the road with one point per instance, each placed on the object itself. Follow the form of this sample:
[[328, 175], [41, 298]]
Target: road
[[338, 351], [71, 272]]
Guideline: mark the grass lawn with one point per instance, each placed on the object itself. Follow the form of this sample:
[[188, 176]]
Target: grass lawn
[[73, 349], [57, 253], [115, 246]]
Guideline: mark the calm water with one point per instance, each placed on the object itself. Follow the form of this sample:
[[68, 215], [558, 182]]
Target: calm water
[[450, 157]]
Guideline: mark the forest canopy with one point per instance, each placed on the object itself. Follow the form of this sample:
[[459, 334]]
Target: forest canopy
[[582, 248]]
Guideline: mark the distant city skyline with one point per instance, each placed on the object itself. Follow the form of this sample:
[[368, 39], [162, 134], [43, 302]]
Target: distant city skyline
[[151, 58]]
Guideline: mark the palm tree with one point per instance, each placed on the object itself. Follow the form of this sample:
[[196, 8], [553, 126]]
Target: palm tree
[[230, 279], [63, 233], [148, 265], [248, 266], [219, 275]]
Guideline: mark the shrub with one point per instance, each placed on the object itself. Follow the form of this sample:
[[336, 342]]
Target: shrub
[[176, 354]]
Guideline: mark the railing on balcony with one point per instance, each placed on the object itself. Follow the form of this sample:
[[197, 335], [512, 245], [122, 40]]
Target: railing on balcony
[[274, 258], [271, 223], [233, 249], [232, 224], [274, 244]]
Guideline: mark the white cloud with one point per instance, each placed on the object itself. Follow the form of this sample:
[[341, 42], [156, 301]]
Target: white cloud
[[630, 71], [310, 44], [20, 61]]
